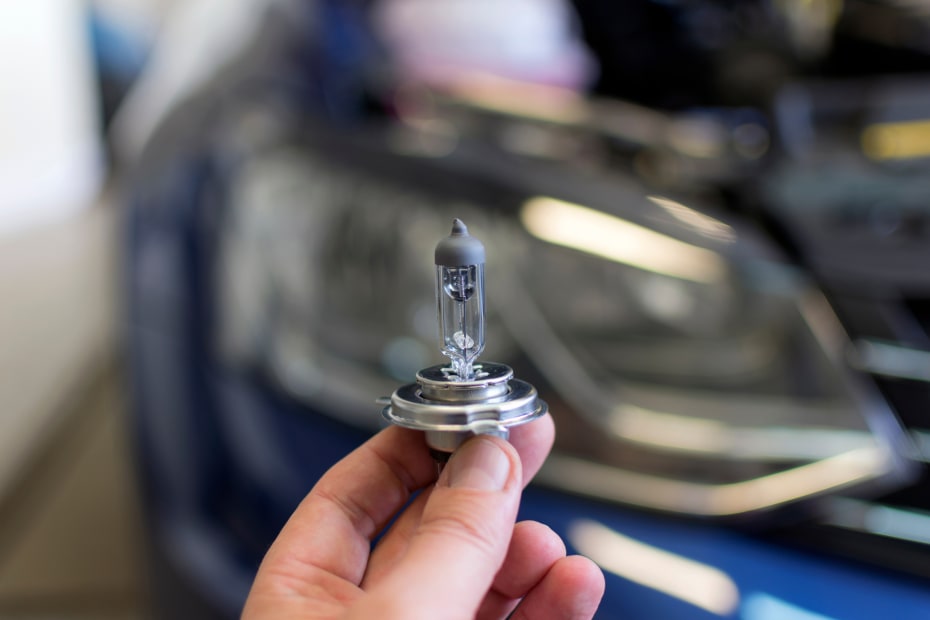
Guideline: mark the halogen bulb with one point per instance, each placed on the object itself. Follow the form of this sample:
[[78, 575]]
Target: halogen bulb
[[460, 300], [452, 403]]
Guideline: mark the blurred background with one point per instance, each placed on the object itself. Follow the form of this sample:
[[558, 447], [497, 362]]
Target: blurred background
[[707, 224]]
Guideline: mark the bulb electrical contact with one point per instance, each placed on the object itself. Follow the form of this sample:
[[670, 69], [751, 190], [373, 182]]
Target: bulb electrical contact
[[453, 402]]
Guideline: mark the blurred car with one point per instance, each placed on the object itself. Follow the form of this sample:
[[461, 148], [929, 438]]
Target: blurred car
[[725, 307]]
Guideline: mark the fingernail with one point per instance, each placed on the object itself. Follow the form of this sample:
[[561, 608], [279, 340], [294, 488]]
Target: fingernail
[[479, 464]]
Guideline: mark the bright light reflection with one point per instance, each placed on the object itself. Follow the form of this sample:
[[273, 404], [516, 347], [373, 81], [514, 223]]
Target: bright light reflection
[[881, 520], [900, 140], [896, 523], [734, 498], [683, 578], [594, 232], [541, 102], [761, 606], [891, 360], [704, 224], [698, 435]]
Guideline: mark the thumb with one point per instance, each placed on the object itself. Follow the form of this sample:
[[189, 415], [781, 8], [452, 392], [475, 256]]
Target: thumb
[[462, 538]]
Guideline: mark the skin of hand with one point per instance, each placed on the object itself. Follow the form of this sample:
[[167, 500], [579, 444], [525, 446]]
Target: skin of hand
[[454, 552]]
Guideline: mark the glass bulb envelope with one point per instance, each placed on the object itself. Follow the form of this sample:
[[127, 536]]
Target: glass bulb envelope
[[460, 299], [689, 367]]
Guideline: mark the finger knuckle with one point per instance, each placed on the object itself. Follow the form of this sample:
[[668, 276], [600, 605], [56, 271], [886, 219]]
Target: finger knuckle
[[463, 524]]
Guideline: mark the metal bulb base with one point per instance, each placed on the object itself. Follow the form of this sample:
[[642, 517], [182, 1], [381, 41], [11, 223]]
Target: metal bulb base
[[450, 410]]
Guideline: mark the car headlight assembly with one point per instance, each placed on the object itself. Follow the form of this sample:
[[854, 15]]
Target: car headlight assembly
[[705, 376], [690, 368]]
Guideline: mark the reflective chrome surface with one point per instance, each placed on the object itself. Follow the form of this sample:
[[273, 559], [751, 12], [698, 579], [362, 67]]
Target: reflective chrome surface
[[450, 411]]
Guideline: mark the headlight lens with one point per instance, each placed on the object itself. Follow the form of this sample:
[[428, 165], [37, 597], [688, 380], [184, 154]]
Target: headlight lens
[[689, 368]]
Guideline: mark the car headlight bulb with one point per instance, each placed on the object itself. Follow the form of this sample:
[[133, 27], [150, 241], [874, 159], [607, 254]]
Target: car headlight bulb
[[453, 402]]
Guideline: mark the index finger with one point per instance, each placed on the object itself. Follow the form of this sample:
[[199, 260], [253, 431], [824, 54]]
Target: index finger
[[332, 529]]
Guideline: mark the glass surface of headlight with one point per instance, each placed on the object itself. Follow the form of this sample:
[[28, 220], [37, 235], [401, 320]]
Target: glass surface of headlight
[[689, 367], [720, 391]]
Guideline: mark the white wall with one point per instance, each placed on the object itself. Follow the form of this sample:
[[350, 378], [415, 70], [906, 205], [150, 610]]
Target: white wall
[[50, 148]]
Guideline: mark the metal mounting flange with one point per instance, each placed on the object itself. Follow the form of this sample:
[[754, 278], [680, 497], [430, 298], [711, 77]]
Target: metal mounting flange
[[450, 411]]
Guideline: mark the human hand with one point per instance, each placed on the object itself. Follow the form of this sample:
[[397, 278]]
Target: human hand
[[454, 552]]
